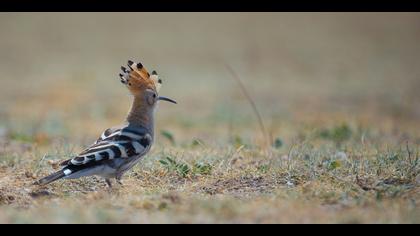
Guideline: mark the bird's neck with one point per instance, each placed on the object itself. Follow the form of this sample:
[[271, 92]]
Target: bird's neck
[[141, 115]]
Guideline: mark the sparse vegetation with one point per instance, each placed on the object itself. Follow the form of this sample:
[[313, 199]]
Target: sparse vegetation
[[171, 165], [338, 134], [169, 136]]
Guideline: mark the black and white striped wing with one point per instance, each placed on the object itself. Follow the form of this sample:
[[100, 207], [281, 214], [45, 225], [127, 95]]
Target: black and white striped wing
[[107, 133], [113, 144]]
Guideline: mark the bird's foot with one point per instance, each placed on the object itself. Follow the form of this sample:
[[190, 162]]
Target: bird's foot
[[109, 183], [118, 180]]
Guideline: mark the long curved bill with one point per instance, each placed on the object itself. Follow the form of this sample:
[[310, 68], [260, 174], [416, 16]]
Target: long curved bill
[[167, 99]]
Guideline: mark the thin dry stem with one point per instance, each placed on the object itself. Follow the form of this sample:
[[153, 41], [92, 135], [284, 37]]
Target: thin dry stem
[[254, 107]]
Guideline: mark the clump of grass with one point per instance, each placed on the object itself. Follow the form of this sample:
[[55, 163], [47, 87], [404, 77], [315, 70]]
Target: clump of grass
[[334, 164], [263, 168], [172, 165], [169, 136], [237, 141], [197, 142], [278, 143], [21, 137], [202, 169], [9, 160], [337, 134], [183, 169]]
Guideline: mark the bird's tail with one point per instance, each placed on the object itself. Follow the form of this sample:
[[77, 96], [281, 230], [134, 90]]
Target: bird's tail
[[51, 178]]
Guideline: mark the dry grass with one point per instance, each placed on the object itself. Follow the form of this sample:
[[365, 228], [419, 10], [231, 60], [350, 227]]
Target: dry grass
[[337, 93], [309, 183]]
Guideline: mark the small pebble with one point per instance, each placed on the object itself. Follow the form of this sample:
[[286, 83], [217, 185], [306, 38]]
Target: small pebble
[[341, 156], [290, 184]]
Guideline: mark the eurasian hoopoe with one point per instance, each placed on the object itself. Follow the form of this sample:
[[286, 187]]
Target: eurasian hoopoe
[[119, 148]]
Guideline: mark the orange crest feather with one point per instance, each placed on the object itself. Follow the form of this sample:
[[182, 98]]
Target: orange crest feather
[[137, 78]]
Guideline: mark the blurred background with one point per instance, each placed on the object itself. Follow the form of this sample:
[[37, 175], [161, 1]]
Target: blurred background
[[59, 71]]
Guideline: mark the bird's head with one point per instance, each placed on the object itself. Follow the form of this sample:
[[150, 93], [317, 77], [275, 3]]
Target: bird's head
[[143, 85]]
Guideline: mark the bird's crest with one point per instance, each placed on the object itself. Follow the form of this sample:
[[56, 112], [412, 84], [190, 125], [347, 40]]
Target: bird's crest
[[138, 79]]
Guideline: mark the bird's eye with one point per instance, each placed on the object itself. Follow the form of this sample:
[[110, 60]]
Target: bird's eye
[[154, 95]]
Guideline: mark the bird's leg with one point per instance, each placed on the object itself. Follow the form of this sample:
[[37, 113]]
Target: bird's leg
[[118, 179], [108, 182]]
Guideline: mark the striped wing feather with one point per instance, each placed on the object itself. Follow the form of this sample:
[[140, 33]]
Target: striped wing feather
[[114, 143]]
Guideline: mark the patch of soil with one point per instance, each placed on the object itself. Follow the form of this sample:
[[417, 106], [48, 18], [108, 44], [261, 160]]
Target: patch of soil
[[15, 188], [241, 185], [14, 196], [397, 181], [172, 198], [5, 198]]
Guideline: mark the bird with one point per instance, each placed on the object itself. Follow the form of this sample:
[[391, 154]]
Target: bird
[[120, 148]]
